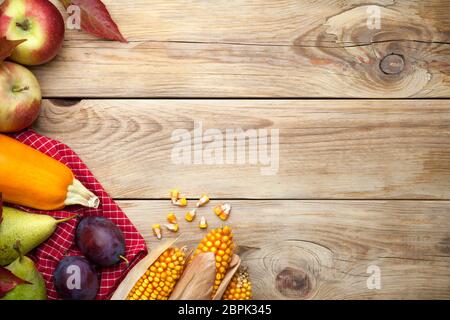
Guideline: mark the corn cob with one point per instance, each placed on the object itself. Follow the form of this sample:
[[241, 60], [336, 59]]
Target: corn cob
[[220, 242], [159, 280], [240, 286]]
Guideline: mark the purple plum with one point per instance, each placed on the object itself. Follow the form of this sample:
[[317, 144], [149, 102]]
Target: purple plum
[[75, 279], [101, 241]]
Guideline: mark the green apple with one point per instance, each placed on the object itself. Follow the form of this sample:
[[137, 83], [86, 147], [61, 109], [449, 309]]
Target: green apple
[[37, 21], [20, 97]]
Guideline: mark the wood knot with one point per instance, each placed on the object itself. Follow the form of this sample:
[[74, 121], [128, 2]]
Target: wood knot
[[293, 283], [392, 64], [444, 245]]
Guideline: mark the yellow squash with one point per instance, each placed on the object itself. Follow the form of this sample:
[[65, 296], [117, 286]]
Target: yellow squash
[[33, 179]]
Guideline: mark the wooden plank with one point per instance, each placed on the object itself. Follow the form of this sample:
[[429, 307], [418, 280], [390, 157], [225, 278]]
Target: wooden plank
[[276, 21], [264, 48], [327, 149], [322, 249]]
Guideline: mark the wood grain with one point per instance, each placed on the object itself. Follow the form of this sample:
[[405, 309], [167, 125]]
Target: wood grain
[[366, 162], [322, 249], [352, 149], [263, 48]]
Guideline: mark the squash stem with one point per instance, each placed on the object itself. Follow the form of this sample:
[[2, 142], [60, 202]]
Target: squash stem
[[79, 194]]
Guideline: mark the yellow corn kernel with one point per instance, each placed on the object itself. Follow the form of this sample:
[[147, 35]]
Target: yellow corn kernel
[[175, 198], [202, 201], [218, 241], [181, 202], [162, 286], [223, 211], [174, 195], [172, 227], [240, 286], [157, 231], [190, 216], [203, 224], [171, 218]]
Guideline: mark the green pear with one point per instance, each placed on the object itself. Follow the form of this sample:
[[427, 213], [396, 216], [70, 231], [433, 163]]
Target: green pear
[[24, 268], [27, 228]]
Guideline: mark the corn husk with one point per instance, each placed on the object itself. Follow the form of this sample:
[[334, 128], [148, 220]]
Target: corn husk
[[139, 269], [234, 266], [197, 280]]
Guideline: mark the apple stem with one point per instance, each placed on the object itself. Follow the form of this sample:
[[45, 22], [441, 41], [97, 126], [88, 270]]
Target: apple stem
[[16, 89], [25, 25]]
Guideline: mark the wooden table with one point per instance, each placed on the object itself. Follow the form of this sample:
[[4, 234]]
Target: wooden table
[[364, 133]]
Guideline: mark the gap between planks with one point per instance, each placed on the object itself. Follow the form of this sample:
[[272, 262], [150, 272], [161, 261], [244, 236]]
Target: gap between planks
[[100, 98], [288, 199]]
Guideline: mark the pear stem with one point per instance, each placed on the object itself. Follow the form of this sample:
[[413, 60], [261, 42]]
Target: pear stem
[[66, 219], [125, 259]]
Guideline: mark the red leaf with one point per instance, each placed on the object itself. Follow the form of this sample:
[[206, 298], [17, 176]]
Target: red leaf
[[7, 47], [8, 281], [96, 19]]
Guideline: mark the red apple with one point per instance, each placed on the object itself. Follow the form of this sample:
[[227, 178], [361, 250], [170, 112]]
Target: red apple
[[37, 21], [20, 97]]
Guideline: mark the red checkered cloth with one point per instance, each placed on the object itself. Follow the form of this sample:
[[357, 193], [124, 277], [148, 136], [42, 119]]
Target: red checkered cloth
[[61, 243]]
